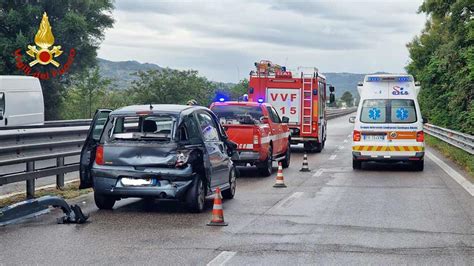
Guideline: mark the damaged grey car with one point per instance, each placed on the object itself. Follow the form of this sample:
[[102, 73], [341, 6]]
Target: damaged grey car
[[157, 152]]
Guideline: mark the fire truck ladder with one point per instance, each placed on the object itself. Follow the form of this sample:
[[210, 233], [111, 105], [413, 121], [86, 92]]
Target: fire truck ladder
[[307, 83]]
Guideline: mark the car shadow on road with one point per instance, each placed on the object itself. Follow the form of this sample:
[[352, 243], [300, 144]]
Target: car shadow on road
[[252, 172], [160, 206], [386, 167]]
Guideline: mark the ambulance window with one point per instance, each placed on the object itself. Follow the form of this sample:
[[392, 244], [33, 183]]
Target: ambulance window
[[374, 111], [402, 111]]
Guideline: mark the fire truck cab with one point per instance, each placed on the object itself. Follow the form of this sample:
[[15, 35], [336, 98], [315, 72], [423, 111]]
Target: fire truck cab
[[300, 96]]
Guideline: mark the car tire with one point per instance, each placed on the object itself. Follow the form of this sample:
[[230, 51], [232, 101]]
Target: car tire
[[285, 163], [419, 165], [104, 202], [230, 192], [266, 167], [196, 196], [356, 165]]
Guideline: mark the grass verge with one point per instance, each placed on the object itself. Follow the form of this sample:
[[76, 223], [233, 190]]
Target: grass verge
[[460, 157], [71, 190]]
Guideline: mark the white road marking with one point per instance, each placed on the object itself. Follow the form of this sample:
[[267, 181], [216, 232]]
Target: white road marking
[[318, 173], [341, 147], [350, 135], [222, 258], [289, 199], [345, 141], [468, 186], [333, 157]]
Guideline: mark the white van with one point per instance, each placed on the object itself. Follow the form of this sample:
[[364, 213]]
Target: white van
[[388, 125], [21, 101]]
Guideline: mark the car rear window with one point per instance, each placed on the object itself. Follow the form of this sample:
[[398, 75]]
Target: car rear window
[[238, 114], [153, 128], [388, 111]]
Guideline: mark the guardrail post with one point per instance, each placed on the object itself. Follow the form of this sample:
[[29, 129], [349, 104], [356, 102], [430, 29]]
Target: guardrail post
[[60, 177], [30, 184]]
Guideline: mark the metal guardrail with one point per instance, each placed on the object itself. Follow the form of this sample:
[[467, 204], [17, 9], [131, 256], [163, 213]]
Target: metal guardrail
[[455, 138], [27, 145]]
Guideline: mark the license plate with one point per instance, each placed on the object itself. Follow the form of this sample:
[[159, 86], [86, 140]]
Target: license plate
[[136, 181], [373, 137]]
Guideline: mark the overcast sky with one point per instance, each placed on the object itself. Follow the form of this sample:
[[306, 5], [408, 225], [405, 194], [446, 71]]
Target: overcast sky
[[222, 39]]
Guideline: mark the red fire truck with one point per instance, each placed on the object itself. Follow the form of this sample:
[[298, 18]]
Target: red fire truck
[[300, 96]]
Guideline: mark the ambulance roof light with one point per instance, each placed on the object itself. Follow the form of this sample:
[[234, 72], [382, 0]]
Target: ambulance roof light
[[371, 79]]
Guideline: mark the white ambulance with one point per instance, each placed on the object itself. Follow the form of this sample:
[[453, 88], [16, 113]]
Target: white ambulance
[[388, 126]]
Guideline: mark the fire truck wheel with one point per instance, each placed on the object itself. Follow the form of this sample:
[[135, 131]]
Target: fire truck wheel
[[266, 167], [285, 163], [313, 146]]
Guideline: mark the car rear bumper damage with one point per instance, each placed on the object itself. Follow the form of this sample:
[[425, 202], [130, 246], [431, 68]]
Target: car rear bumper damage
[[164, 183]]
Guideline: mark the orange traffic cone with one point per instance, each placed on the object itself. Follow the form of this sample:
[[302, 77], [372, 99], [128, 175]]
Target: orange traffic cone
[[279, 179], [217, 211]]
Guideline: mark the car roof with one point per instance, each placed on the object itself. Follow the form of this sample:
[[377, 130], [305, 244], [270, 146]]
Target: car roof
[[156, 109]]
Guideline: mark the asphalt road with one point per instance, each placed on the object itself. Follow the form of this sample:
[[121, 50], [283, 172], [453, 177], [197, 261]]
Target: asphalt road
[[383, 214]]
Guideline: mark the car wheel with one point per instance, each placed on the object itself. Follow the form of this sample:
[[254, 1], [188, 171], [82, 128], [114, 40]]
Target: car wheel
[[356, 164], [266, 167], [286, 162], [196, 196], [419, 165], [104, 202], [230, 192]]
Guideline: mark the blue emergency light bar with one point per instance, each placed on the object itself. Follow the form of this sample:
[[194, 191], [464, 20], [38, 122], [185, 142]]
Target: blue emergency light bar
[[260, 100], [399, 79]]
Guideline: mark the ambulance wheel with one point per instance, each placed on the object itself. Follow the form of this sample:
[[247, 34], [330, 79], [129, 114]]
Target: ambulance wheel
[[266, 167], [356, 165], [419, 165], [285, 163]]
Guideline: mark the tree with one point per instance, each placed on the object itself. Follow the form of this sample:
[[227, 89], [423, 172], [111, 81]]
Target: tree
[[172, 87], [86, 93], [77, 24], [442, 59], [239, 89], [347, 98]]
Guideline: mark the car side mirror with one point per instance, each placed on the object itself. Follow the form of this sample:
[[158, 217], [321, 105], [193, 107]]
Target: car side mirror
[[332, 88], [264, 119], [285, 119], [425, 120], [352, 119]]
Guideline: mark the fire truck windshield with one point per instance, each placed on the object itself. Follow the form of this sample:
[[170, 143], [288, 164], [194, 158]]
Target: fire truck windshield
[[238, 114]]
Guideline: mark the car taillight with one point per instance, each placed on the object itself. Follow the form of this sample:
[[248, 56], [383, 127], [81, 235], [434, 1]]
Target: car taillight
[[182, 158], [356, 135], [255, 139], [420, 136], [99, 155]]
